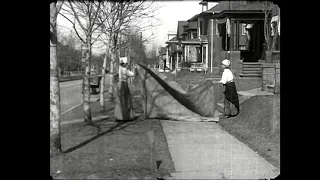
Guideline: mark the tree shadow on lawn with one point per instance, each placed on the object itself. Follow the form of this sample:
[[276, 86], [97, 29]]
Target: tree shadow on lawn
[[117, 127]]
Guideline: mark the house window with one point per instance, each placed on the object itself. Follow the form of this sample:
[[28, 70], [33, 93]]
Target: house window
[[194, 35], [217, 29], [204, 60], [201, 32], [243, 29]]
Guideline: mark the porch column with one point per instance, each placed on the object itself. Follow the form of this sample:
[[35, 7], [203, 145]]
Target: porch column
[[237, 36], [232, 35], [202, 47], [185, 53], [167, 58], [207, 54], [177, 61], [211, 49]]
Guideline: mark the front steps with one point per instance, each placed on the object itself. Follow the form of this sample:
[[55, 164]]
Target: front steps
[[251, 69]]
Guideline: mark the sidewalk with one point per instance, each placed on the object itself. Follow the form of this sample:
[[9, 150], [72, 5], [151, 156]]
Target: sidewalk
[[202, 150]]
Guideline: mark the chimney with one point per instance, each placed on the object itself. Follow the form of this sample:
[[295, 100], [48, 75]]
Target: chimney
[[204, 5]]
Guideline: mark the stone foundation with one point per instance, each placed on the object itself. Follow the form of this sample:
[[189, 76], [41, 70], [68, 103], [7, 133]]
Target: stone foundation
[[271, 77]]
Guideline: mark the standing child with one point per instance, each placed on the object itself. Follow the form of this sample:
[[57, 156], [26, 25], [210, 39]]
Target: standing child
[[231, 101]]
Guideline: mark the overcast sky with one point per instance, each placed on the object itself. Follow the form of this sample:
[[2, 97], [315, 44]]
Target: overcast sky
[[169, 14]]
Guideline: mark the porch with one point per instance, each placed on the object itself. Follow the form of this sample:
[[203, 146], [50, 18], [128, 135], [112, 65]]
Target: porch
[[239, 37], [195, 54]]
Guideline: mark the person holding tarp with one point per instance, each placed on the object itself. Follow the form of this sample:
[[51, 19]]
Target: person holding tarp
[[231, 100], [123, 108]]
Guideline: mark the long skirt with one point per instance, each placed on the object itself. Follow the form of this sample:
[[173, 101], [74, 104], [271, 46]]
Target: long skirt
[[123, 109], [231, 100]]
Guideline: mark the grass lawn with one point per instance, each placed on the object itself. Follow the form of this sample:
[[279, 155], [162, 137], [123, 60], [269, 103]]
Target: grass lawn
[[258, 126], [118, 151]]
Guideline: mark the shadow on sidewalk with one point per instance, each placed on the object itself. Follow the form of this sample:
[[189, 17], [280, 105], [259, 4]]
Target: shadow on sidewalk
[[116, 127]]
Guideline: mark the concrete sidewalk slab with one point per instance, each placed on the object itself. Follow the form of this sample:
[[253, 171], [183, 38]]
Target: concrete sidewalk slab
[[205, 151], [255, 92]]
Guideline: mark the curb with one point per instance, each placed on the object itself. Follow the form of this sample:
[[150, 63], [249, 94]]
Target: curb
[[71, 109], [60, 81], [82, 120], [91, 101]]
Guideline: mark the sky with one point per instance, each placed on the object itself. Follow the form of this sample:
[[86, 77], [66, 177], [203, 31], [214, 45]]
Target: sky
[[172, 12], [169, 14]]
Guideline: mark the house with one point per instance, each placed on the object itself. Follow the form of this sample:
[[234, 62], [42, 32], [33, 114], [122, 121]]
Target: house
[[172, 52], [231, 29], [190, 43], [162, 59], [236, 32]]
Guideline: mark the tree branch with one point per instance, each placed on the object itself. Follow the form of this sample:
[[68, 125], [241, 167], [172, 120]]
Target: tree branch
[[77, 18], [75, 29], [59, 5], [66, 18], [95, 17]]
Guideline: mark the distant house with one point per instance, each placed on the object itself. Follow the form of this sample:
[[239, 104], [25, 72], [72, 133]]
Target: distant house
[[173, 52], [162, 59], [190, 43]]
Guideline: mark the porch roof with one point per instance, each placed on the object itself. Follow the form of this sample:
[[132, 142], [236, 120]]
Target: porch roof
[[172, 40], [239, 15], [195, 41]]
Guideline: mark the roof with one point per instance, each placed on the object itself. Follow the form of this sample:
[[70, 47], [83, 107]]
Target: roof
[[204, 38], [172, 40], [180, 28], [194, 18], [204, 3], [224, 5], [254, 5]]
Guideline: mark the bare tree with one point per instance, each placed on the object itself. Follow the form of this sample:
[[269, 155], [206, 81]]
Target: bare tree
[[276, 33], [68, 55], [267, 9], [119, 18], [153, 54], [55, 139], [85, 15]]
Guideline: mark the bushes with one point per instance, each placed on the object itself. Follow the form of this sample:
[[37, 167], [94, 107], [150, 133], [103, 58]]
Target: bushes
[[185, 64]]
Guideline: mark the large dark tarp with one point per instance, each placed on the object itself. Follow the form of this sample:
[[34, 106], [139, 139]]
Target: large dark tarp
[[166, 98]]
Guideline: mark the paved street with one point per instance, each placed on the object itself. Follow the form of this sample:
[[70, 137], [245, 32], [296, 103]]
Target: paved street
[[70, 94]]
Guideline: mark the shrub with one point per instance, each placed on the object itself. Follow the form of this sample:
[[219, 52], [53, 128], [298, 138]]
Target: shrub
[[185, 65]]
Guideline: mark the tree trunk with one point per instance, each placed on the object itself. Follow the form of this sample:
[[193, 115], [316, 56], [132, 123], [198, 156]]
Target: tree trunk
[[55, 139], [274, 39], [86, 83], [102, 106], [111, 73]]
